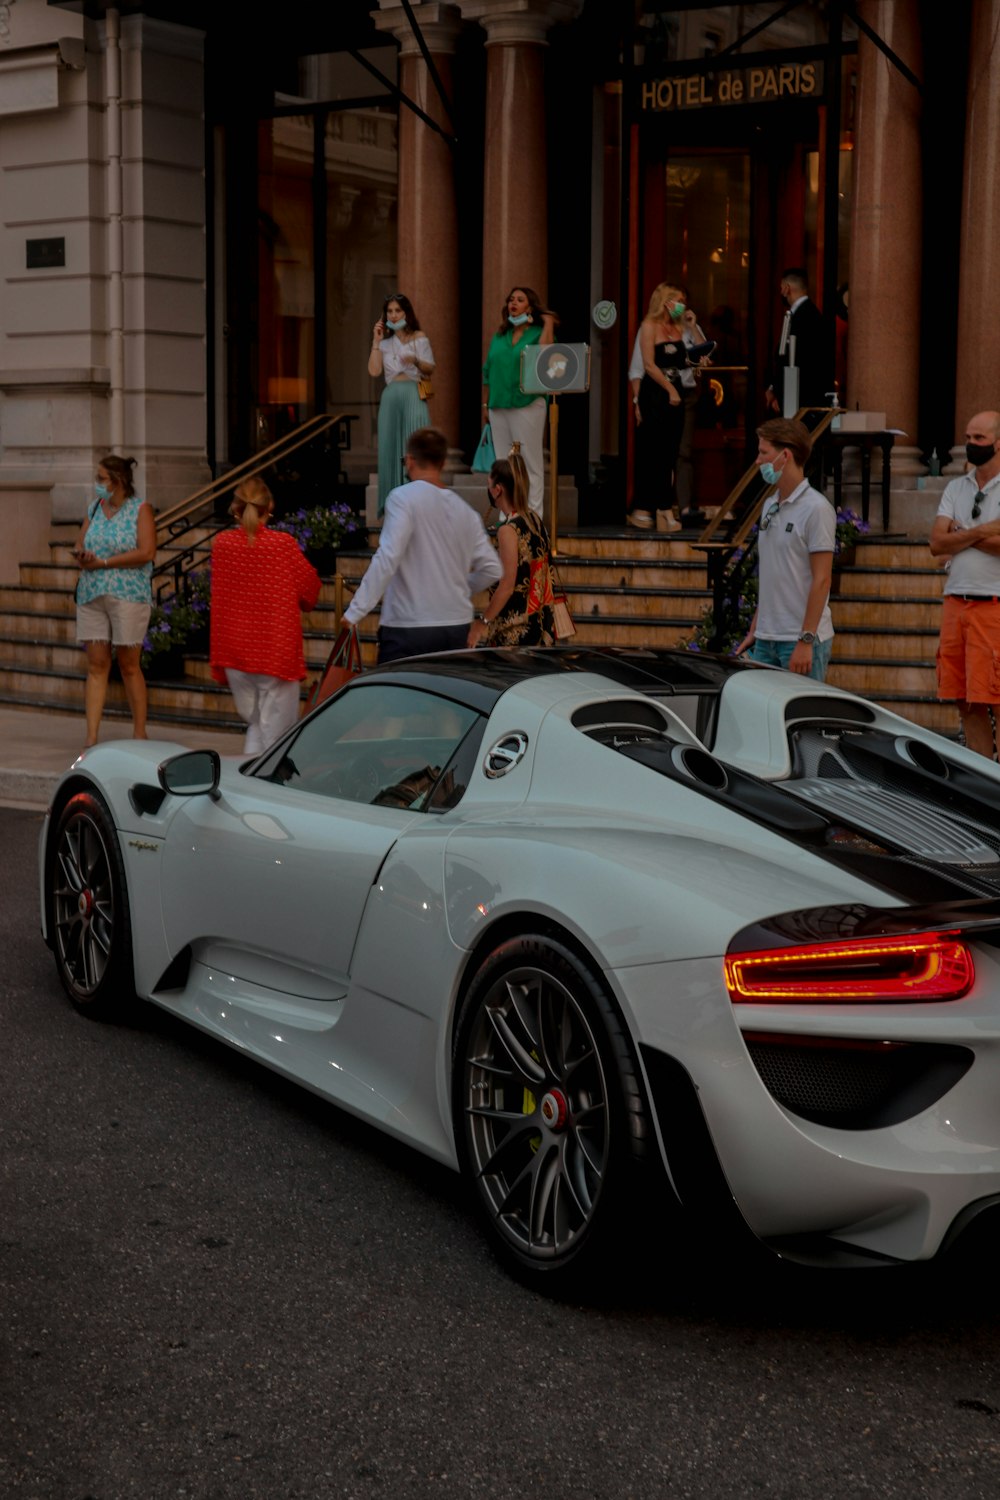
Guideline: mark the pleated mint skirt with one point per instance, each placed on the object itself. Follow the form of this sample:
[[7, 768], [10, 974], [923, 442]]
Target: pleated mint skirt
[[400, 412]]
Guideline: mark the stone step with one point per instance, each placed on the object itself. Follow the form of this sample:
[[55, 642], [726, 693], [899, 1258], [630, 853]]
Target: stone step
[[48, 575], [26, 651], [205, 700], [661, 604], [872, 679], [913, 582], [895, 552], [633, 544], [117, 710], [866, 641], [892, 614], [31, 623], [55, 601]]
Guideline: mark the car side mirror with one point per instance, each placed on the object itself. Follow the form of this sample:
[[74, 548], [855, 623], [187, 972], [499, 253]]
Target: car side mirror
[[194, 774]]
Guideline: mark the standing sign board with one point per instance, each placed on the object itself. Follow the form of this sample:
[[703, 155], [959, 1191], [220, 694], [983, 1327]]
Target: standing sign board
[[549, 370]]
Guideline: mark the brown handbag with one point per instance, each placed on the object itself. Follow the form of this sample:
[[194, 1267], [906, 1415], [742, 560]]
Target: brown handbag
[[343, 664], [425, 388]]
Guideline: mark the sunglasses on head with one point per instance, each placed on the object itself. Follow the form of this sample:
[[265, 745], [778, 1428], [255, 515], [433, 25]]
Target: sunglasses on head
[[977, 504], [769, 515]]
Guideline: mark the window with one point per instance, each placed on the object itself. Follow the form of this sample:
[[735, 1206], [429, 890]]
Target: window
[[384, 745]]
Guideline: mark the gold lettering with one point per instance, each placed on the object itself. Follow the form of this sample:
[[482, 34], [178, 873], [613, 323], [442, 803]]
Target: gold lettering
[[725, 88], [649, 95], [737, 89], [808, 78], [706, 97], [757, 76], [770, 88], [786, 79]]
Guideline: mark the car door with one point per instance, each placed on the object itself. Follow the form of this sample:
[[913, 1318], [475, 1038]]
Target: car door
[[268, 882]]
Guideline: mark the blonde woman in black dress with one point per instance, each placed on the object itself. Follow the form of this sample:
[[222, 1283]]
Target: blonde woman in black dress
[[519, 612]]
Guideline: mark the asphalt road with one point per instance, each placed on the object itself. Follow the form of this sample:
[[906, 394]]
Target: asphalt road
[[213, 1285]]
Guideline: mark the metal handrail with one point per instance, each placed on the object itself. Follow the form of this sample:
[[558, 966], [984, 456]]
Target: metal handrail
[[249, 468], [750, 518]]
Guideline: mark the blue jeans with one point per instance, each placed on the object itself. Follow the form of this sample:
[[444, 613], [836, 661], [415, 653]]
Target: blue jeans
[[779, 654]]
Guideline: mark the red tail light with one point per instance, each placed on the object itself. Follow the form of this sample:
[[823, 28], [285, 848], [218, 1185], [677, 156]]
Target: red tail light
[[920, 966]]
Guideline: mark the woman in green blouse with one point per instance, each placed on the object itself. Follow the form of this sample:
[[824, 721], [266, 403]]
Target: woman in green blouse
[[515, 416]]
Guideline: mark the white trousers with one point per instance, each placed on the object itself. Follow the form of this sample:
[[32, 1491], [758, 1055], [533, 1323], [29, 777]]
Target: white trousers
[[524, 425], [267, 705]]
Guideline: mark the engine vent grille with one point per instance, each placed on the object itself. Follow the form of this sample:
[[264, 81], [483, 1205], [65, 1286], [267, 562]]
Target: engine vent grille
[[856, 1085], [909, 822]]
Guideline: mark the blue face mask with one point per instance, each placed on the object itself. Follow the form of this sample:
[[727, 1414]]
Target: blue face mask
[[102, 492], [396, 327], [516, 322], [769, 473]]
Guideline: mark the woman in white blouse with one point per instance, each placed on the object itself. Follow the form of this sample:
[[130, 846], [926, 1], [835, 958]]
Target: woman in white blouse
[[402, 353]]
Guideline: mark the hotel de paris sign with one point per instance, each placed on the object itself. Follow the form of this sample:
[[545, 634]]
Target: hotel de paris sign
[[760, 84]]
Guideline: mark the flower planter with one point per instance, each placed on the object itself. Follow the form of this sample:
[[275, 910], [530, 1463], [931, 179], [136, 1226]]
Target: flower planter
[[324, 560], [165, 665]]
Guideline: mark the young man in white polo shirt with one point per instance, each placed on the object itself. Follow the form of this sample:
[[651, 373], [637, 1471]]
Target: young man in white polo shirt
[[795, 545]]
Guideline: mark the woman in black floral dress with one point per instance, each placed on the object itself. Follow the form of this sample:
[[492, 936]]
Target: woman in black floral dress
[[519, 612]]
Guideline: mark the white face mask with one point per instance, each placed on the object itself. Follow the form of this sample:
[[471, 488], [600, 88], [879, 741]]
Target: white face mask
[[396, 327], [517, 320]]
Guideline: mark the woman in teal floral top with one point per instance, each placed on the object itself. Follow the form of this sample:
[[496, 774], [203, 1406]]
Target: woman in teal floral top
[[114, 551]]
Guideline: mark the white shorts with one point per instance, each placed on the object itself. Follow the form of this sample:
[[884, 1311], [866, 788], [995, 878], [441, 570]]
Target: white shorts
[[123, 622]]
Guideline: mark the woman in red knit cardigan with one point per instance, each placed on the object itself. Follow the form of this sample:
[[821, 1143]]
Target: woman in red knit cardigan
[[260, 583]]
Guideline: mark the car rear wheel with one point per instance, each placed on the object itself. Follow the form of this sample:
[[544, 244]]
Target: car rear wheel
[[92, 933], [550, 1116]]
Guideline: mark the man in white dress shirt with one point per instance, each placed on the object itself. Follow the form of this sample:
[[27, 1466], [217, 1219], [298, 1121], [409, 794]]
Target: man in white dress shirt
[[433, 555]]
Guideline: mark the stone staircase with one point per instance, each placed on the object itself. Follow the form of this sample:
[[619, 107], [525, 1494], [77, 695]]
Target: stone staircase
[[624, 588]]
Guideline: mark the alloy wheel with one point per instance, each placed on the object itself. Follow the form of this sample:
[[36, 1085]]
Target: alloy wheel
[[536, 1106], [83, 905]]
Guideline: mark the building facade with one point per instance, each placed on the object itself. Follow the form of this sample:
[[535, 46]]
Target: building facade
[[198, 227]]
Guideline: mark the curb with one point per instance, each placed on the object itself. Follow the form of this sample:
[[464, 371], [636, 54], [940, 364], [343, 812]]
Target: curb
[[31, 789]]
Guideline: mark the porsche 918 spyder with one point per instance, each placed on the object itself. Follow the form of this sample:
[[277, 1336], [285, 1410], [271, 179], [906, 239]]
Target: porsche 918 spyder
[[599, 929]]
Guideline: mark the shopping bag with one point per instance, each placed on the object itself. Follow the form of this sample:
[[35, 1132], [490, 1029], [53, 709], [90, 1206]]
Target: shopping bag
[[562, 621], [343, 663], [485, 457]]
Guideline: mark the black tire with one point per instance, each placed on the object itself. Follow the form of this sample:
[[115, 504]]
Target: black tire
[[88, 909], [550, 1117]]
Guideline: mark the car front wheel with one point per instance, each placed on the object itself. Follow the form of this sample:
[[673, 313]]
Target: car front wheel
[[92, 935], [550, 1115]]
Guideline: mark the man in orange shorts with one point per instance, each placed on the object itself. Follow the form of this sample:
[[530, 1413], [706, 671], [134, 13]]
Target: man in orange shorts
[[967, 531]]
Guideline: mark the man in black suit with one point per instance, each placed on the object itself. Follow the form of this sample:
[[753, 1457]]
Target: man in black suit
[[813, 349]]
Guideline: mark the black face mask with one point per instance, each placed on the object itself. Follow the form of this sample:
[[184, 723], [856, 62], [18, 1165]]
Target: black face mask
[[980, 453]]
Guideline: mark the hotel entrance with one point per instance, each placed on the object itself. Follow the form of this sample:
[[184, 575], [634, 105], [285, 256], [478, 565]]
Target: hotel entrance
[[738, 165]]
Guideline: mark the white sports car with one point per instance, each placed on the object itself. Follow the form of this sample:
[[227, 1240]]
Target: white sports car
[[601, 929]]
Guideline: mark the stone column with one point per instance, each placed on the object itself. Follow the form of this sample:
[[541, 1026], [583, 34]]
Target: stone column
[[886, 230], [427, 214], [515, 176], [978, 388]]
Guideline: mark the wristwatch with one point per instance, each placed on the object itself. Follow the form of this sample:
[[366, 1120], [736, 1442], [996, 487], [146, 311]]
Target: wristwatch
[[808, 638]]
